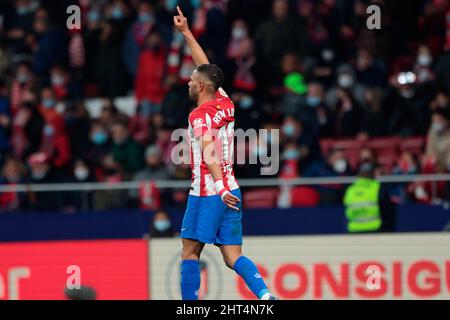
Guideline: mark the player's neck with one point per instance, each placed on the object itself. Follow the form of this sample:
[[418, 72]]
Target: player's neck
[[205, 98]]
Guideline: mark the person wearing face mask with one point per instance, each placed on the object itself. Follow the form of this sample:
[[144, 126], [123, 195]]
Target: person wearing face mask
[[314, 112], [41, 172], [81, 173], [239, 34], [64, 87], [438, 140], [406, 165], [293, 131], [368, 206], [21, 83], [423, 66], [162, 226], [125, 150], [346, 80], [149, 86], [334, 165]]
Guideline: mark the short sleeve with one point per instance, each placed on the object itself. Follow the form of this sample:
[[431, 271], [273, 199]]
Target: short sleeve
[[198, 124], [221, 94]]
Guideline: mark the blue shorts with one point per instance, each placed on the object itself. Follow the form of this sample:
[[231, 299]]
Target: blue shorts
[[209, 220]]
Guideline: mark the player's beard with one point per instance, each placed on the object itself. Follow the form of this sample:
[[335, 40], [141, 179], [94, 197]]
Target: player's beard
[[193, 94]]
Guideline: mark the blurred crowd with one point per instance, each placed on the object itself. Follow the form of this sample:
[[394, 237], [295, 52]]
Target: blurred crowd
[[309, 68]]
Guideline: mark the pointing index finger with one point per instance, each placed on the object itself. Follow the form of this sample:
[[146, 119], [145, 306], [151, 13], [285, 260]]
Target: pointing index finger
[[180, 12]]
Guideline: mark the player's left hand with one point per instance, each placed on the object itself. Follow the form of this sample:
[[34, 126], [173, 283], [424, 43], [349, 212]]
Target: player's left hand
[[231, 200], [180, 21]]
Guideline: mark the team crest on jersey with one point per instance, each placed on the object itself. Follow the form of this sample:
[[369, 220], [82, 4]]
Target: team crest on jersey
[[198, 122], [218, 107]]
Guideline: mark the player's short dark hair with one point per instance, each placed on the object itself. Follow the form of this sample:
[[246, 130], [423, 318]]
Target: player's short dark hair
[[213, 73]]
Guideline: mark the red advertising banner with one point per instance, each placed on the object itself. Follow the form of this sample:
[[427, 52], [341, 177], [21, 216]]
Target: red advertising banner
[[115, 269]]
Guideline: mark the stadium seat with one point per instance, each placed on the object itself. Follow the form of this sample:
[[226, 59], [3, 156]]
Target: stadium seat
[[343, 144], [304, 197], [415, 145], [387, 161], [260, 198], [353, 158], [384, 144]]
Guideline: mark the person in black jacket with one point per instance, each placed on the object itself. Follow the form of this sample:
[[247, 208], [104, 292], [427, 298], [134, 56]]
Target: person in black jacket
[[162, 226]]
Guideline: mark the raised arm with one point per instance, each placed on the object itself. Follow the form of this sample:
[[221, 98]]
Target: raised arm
[[198, 55]]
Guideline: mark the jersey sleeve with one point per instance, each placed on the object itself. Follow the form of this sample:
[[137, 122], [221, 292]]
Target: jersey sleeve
[[199, 124], [221, 94]]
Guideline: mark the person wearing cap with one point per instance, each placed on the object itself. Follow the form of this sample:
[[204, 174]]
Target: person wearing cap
[[368, 207]]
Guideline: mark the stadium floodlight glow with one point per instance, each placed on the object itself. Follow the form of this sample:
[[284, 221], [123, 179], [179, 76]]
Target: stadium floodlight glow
[[406, 78]]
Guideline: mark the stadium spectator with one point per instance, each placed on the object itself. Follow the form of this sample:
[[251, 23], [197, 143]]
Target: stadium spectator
[[374, 121], [134, 41], [407, 164], [150, 74], [438, 141], [125, 150], [348, 115], [41, 172], [20, 24], [279, 34], [99, 145], [49, 44], [345, 80], [12, 173], [64, 85], [80, 200], [110, 172], [314, 114], [335, 165], [5, 118], [148, 195], [370, 72], [176, 104], [27, 126], [139, 124], [108, 67], [162, 226]]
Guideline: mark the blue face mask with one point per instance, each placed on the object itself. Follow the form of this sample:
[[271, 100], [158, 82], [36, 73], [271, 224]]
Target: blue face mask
[[49, 131], [313, 101], [117, 13], [171, 4], [99, 137], [93, 16], [246, 103], [196, 3], [288, 130], [291, 154], [22, 10], [146, 17], [48, 103], [162, 225]]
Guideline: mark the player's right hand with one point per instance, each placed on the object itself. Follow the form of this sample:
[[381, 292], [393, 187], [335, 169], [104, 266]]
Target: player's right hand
[[231, 200], [180, 21]]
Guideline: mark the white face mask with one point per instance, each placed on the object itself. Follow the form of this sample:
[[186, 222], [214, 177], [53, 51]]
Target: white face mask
[[238, 33], [407, 93], [345, 81], [81, 173], [424, 59], [340, 166], [437, 127]]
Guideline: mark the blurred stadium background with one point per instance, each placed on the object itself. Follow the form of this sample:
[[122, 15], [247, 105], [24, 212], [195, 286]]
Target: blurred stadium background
[[86, 117]]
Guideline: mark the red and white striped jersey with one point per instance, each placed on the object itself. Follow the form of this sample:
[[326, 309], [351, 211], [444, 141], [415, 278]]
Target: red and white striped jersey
[[216, 117]]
